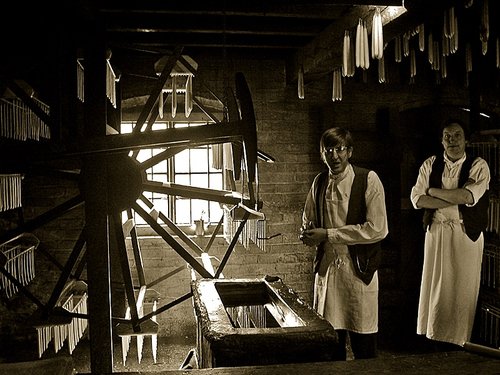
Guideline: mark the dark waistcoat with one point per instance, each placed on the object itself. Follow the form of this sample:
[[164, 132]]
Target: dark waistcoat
[[365, 257], [476, 217]]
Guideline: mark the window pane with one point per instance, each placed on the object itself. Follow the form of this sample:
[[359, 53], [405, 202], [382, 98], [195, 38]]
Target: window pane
[[143, 155], [182, 162], [161, 205], [182, 211], [161, 167], [159, 177], [199, 160], [199, 180], [188, 167], [199, 208], [216, 181], [215, 212], [138, 219], [182, 179]]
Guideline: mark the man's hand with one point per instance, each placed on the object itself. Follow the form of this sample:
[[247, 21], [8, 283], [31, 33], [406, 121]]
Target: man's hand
[[314, 236], [304, 227]]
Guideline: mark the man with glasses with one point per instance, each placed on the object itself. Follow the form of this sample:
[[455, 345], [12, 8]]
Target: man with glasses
[[345, 219], [452, 188]]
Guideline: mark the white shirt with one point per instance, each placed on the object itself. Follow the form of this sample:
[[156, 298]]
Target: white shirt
[[477, 184], [452, 261], [339, 295]]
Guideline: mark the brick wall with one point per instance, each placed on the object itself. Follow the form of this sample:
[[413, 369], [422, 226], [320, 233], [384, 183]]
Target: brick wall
[[289, 129]]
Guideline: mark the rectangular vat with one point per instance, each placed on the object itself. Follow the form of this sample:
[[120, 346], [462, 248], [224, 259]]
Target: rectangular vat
[[248, 322]]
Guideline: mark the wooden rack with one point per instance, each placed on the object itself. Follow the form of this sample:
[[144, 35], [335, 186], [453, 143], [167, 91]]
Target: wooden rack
[[146, 303], [17, 260], [74, 300], [19, 122], [10, 191], [254, 230]]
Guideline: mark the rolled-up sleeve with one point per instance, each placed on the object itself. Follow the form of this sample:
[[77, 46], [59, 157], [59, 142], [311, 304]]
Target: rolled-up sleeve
[[422, 185], [309, 213], [479, 179]]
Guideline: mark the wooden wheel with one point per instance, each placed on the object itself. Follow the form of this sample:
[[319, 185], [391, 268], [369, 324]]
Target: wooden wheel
[[126, 182]]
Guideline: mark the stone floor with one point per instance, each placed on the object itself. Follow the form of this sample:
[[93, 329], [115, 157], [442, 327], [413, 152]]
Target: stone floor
[[173, 352], [418, 357]]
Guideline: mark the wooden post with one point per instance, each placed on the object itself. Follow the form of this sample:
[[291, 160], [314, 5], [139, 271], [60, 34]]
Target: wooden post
[[96, 202]]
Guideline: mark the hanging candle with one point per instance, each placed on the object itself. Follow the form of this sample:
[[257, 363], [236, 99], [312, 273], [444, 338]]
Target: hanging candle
[[430, 49], [444, 68], [446, 46], [397, 49], [174, 95], [377, 35], [468, 58], [454, 38], [300, 83], [362, 49], [188, 100], [413, 64], [337, 85], [345, 54], [406, 44], [436, 62], [447, 22], [451, 21], [381, 70], [498, 53], [421, 37], [160, 105], [359, 41], [485, 27]]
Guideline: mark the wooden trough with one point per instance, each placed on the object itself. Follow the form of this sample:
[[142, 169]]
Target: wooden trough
[[248, 322]]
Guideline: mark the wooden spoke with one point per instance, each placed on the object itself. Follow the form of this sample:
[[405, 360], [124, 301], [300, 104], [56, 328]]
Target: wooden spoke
[[187, 191], [126, 273], [233, 113], [171, 241], [232, 245], [174, 228], [44, 218], [136, 249], [68, 268], [249, 129], [164, 155]]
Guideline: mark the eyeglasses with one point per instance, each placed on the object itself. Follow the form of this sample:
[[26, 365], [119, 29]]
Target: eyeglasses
[[449, 136], [338, 150]]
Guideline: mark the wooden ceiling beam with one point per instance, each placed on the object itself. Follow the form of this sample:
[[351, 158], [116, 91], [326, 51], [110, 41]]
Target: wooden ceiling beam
[[324, 53], [265, 25], [329, 9]]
